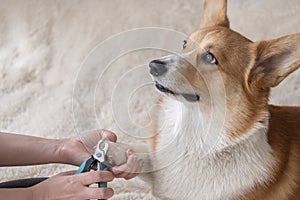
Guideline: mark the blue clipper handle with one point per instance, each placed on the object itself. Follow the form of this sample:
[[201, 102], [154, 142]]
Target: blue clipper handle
[[87, 166], [101, 167], [82, 167]]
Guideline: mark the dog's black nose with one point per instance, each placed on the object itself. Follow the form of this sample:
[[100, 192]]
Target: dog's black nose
[[157, 67]]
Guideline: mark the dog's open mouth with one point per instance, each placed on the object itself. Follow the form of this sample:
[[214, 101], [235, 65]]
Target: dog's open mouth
[[164, 89], [188, 97]]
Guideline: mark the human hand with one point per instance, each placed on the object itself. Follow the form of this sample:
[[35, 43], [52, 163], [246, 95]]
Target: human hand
[[69, 186], [75, 150]]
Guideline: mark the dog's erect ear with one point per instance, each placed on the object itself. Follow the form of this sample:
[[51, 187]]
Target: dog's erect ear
[[275, 60], [215, 13]]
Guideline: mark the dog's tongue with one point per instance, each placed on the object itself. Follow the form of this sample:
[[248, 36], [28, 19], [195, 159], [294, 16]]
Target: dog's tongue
[[191, 97]]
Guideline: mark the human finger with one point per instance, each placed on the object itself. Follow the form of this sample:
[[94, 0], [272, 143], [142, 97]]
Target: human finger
[[92, 177], [72, 172], [98, 193], [108, 135], [90, 138]]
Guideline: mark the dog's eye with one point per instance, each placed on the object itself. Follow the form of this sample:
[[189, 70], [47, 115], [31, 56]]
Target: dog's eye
[[184, 44], [209, 58]]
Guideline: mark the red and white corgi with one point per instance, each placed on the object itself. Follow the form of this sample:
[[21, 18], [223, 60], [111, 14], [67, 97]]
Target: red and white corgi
[[217, 136]]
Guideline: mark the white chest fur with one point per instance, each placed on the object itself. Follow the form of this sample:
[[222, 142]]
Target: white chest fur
[[187, 170]]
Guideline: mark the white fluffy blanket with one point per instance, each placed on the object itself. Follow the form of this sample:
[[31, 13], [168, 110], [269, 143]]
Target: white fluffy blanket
[[43, 44]]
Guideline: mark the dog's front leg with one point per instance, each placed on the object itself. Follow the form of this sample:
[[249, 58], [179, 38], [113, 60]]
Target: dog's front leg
[[114, 154]]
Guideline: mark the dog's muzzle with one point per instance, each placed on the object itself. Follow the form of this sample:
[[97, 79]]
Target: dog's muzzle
[[159, 68]]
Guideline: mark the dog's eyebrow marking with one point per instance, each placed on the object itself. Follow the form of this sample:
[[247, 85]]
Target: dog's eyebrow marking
[[189, 52], [208, 36], [211, 33]]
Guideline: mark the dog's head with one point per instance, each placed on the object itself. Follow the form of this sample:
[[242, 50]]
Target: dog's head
[[217, 57]]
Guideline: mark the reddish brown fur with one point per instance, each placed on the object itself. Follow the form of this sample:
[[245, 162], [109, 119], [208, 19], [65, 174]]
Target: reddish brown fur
[[233, 66], [284, 139], [154, 138]]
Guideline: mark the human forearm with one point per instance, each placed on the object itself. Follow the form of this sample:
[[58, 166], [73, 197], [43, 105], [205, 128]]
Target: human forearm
[[28, 150], [18, 149], [16, 193]]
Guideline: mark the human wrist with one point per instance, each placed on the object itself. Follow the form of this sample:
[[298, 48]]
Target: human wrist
[[35, 192], [52, 150], [64, 151], [26, 193], [72, 151], [16, 193]]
